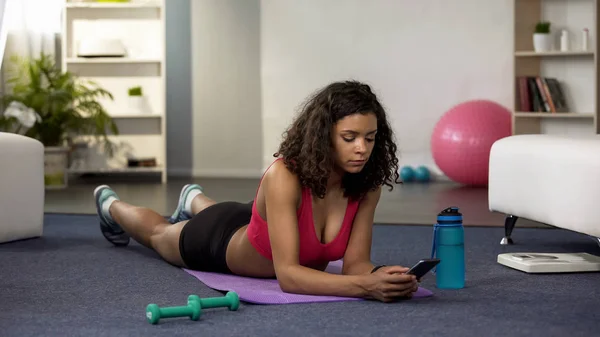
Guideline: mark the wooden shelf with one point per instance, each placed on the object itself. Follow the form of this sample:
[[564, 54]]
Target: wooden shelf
[[135, 116], [553, 115], [115, 170], [553, 53], [556, 80], [112, 5], [99, 60]]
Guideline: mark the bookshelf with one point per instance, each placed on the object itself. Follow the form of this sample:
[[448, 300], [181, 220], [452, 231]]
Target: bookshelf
[[569, 79], [140, 26]]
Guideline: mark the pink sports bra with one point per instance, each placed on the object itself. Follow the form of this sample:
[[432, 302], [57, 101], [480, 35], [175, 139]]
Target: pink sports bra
[[312, 251]]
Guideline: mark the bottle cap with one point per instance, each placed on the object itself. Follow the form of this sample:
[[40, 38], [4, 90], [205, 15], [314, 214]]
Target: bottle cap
[[450, 216], [452, 210]]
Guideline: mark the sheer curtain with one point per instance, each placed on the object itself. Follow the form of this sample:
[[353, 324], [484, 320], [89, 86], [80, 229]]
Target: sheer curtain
[[33, 27]]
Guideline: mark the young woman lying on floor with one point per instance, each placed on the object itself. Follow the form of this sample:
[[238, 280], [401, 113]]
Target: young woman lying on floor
[[314, 204]]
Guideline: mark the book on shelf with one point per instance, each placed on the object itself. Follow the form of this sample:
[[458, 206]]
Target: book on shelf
[[540, 94]]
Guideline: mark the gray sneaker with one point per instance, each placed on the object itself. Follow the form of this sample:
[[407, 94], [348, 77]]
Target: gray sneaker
[[180, 213], [110, 229]]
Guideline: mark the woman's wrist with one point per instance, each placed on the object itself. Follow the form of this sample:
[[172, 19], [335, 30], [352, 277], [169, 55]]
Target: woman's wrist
[[377, 268]]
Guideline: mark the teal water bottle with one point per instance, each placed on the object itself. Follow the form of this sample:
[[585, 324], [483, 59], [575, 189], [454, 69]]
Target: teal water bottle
[[449, 246]]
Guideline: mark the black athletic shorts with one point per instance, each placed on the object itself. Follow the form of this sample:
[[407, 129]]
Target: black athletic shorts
[[204, 238]]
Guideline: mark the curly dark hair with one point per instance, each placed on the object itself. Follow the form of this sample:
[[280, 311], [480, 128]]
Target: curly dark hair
[[307, 148]]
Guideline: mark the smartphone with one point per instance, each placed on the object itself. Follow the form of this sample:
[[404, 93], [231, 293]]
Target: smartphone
[[423, 267]]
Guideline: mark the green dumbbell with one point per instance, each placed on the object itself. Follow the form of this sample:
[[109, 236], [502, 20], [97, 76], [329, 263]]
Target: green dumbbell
[[193, 310], [230, 300]]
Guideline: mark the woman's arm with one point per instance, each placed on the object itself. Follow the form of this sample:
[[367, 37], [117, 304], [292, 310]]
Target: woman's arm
[[282, 192], [357, 259]]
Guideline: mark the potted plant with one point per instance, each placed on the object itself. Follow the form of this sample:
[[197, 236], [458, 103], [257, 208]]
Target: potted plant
[[54, 107], [136, 99], [542, 39]]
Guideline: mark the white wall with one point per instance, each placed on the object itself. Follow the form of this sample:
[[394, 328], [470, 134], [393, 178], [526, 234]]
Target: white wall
[[421, 57], [227, 127]]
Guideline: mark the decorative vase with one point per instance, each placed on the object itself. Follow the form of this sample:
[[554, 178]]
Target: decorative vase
[[56, 161], [137, 104], [79, 156], [542, 42]]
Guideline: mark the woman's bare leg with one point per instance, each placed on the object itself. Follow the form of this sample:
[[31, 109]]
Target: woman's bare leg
[[200, 202], [191, 202], [150, 229], [119, 219], [189, 207]]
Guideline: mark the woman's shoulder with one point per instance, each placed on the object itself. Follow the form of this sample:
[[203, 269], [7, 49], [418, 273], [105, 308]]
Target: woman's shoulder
[[371, 198], [281, 183], [281, 175]]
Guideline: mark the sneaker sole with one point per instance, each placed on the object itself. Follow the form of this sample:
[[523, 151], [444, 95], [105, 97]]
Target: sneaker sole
[[113, 240], [179, 208], [97, 190]]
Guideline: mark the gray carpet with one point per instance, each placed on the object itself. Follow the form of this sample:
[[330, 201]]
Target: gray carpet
[[71, 282]]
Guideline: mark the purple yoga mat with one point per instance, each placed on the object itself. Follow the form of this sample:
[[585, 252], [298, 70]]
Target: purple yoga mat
[[267, 291]]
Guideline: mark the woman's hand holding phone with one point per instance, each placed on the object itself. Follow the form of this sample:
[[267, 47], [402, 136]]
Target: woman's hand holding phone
[[390, 283]]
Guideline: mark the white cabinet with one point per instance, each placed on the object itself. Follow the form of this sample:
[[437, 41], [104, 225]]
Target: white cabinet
[[121, 45]]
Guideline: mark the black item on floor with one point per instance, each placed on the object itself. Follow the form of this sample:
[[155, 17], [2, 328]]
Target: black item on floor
[[141, 162]]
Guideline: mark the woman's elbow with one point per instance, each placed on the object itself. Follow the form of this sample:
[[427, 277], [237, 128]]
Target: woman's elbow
[[288, 287], [285, 278]]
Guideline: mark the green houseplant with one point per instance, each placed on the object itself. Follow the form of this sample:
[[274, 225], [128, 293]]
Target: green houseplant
[[542, 27], [64, 105], [137, 102], [542, 39], [135, 91]]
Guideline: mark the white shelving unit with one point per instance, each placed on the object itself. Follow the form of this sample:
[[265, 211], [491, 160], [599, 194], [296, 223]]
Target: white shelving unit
[[140, 26], [575, 69]]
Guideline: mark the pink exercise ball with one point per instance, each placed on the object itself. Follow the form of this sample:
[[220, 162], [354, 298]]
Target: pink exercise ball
[[463, 137]]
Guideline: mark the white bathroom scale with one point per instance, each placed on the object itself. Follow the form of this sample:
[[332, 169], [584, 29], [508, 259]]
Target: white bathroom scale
[[551, 262]]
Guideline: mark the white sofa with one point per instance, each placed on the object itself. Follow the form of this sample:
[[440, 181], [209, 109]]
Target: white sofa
[[21, 187], [550, 179]]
